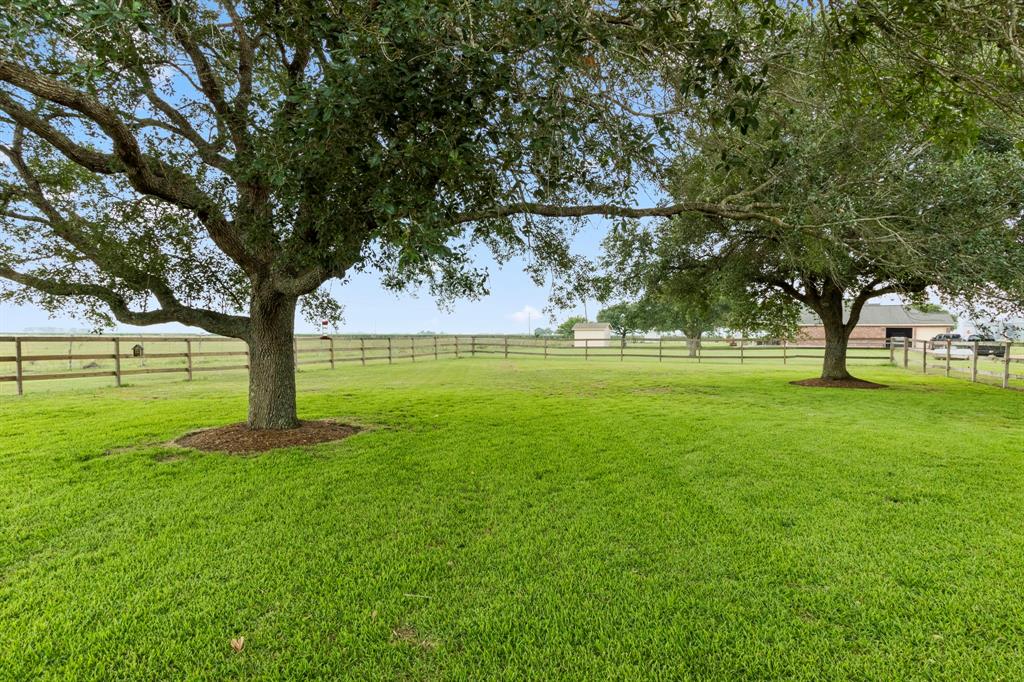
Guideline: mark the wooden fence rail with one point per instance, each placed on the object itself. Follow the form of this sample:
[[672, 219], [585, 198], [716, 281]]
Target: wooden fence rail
[[189, 354], [961, 359]]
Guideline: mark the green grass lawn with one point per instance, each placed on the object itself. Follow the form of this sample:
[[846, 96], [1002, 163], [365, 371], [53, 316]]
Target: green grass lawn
[[520, 519]]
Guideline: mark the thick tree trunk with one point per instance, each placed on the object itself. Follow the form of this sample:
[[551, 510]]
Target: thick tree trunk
[[271, 363], [834, 365], [693, 342], [837, 337]]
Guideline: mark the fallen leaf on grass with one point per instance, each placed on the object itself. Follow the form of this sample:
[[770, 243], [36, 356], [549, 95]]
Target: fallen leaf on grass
[[237, 643]]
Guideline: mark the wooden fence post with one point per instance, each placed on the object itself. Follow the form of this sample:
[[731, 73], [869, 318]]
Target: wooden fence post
[[661, 343], [785, 351], [906, 352], [435, 346], [742, 341], [331, 341], [622, 349], [389, 350], [974, 363], [949, 354], [892, 352], [506, 346], [924, 356], [362, 351], [456, 346], [586, 349], [117, 361], [545, 348], [1006, 364], [188, 357], [412, 347], [472, 346], [19, 375]]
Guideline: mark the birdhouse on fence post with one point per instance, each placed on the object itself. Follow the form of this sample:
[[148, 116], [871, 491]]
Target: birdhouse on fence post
[[138, 351]]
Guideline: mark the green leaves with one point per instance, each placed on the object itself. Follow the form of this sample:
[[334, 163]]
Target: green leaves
[[873, 203]]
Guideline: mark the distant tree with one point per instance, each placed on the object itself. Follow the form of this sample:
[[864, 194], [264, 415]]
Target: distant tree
[[624, 319], [694, 312], [565, 329], [542, 331]]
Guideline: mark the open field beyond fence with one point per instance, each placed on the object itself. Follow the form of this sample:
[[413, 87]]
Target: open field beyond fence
[[115, 359]]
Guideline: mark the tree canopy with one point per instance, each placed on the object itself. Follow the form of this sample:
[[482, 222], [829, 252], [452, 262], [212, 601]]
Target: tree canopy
[[946, 65], [624, 318]]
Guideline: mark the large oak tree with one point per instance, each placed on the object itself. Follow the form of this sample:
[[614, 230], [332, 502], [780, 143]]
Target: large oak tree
[[214, 163], [866, 207]]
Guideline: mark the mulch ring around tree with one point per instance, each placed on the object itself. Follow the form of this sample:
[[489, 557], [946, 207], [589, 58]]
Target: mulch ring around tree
[[240, 439], [837, 383]]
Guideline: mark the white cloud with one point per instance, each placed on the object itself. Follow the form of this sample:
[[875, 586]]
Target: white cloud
[[527, 313]]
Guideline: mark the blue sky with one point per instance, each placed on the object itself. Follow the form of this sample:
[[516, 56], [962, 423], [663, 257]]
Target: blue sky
[[514, 304]]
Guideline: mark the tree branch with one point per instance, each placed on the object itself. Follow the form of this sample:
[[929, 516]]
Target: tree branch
[[791, 291], [147, 174], [182, 127], [213, 322], [68, 228], [208, 82], [90, 159], [750, 212], [246, 56]]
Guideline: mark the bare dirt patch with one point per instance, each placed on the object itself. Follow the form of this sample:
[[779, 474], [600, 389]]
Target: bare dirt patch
[[838, 383], [406, 634], [240, 439]]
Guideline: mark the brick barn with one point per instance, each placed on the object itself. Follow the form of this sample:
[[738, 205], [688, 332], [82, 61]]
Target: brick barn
[[880, 322]]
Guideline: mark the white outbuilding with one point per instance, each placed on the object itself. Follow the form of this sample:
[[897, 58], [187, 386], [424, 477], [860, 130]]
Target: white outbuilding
[[591, 334]]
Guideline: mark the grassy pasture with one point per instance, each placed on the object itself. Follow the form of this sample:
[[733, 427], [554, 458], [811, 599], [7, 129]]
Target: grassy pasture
[[520, 519]]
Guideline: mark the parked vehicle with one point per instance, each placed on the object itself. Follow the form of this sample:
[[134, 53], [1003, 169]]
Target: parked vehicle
[[987, 345], [939, 340]]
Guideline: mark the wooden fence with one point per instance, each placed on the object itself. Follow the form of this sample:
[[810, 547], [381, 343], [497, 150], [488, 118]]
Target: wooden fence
[[986, 361], [73, 357], [37, 358]]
